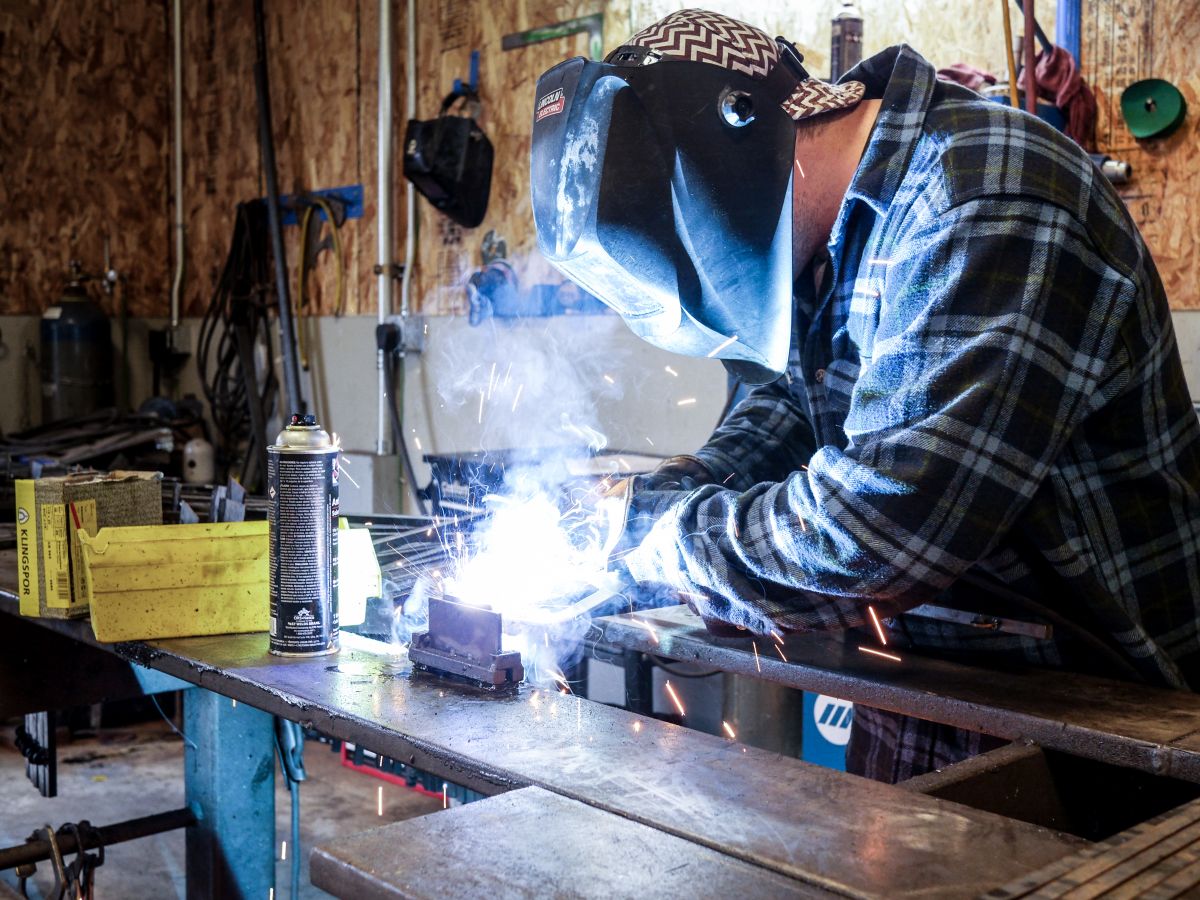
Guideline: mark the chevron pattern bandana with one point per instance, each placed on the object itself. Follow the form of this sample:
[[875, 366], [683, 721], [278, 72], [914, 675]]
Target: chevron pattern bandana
[[700, 36]]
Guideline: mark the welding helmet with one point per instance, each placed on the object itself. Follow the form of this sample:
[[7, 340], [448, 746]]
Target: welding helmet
[[661, 183]]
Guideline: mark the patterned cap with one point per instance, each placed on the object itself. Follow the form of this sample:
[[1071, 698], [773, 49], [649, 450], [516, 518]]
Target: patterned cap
[[700, 36]]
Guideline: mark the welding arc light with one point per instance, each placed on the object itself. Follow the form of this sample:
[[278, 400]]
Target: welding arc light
[[736, 108]]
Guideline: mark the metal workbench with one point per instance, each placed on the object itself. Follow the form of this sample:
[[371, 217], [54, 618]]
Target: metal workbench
[[822, 830]]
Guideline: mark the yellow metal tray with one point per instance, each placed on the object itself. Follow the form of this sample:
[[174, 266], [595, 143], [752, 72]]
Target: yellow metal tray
[[161, 581]]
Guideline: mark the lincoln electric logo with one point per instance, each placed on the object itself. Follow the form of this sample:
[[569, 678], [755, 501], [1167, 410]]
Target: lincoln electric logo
[[550, 105], [833, 718]]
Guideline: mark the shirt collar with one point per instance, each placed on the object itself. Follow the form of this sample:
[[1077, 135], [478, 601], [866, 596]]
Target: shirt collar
[[904, 81]]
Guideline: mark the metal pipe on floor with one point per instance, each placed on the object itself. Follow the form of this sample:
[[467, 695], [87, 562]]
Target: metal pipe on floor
[[130, 830]]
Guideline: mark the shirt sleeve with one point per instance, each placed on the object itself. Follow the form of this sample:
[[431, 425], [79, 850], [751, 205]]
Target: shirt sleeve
[[997, 319], [764, 438]]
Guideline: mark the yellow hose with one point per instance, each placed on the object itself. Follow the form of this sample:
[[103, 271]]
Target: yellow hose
[[1013, 96]]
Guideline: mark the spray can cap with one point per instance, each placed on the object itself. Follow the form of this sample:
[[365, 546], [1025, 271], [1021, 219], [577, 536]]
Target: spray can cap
[[308, 421]]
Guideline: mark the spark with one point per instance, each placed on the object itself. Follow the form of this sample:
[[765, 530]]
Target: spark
[[803, 527], [646, 625], [800, 169], [379, 800], [609, 379], [729, 730], [234, 702], [874, 652], [717, 349], [481, 407], [491, 381], [507, 374], [670, 371], [283, 850], [562, 681], [270, 893], [445, 795], [686, 401], [779, 650], [347, 475], [417, 441], [637, 727], [757, 661], [520, 387], [648, 441], [878, 625], [776, 636], [674, 698], [727, 477]]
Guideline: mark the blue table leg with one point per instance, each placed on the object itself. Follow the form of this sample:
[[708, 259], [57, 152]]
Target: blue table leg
[[229, 766]]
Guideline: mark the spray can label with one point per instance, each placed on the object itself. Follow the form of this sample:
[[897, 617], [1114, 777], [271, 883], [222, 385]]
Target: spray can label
[[302, 486]]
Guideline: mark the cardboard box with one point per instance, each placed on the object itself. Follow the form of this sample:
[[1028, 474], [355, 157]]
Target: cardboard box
[[51, 512]]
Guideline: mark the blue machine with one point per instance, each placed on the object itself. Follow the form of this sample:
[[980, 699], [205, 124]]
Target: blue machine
[[826, 730]]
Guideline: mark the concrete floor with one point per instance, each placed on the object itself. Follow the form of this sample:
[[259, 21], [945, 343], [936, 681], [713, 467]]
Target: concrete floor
[[124, 773]]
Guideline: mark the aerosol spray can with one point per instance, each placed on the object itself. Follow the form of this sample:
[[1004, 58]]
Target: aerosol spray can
[[302, 486]]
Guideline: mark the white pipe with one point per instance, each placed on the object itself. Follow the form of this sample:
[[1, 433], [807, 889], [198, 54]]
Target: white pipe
[[177, 100], [410, 111], [383, 445]]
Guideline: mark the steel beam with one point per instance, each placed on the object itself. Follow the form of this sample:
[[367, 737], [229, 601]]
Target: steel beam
[[1159, 859], [498, 847], [229, 777], [1120, 723]]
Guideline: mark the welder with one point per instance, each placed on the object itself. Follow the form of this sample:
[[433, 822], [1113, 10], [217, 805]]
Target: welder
[[970, 394]]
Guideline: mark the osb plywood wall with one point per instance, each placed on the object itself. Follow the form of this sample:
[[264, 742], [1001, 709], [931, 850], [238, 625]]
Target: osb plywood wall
[[85, 124], [83, 152], [1125, 42], [322, 72], [448, 254]]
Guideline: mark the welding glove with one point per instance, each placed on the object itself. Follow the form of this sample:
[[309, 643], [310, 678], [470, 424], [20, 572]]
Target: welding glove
[[634, 504], [613, 515]]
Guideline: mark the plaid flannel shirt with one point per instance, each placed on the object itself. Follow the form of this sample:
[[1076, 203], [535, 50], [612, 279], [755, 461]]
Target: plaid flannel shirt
[[986, 381]]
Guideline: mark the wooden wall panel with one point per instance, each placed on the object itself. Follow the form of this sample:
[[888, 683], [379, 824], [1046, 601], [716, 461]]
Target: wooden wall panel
[[1125, 42], [85, 124], [448, 254], [83, 98], [322, 70]]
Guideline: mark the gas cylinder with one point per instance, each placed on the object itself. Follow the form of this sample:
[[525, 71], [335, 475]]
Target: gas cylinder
[[77, 354], [846, 49]]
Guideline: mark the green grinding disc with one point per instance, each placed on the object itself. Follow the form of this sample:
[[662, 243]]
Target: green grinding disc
[[1152, 108]]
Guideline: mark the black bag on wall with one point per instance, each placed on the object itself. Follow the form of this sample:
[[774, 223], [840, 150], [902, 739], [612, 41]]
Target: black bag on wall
[[449, 160]]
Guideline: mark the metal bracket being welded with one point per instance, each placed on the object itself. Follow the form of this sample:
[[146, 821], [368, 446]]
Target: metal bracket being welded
[[465, 641]]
